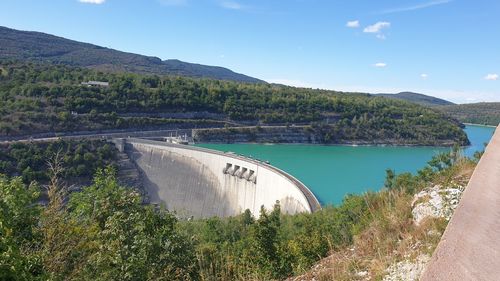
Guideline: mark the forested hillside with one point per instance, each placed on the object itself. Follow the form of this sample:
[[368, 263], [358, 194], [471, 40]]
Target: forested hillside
[[80, 159], [421, 99], [40, 98], [40, 47], [486, 113]]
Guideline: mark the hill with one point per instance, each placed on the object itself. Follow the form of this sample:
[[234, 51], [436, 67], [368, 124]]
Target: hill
[[42, 98], [41, 47], [417, 98], [486, 113]]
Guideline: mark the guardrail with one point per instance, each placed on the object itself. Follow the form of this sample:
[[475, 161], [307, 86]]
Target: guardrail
[[470, 246]]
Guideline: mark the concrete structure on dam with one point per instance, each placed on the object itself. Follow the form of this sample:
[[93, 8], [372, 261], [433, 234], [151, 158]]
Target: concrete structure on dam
[[200, 182], [470, 246]]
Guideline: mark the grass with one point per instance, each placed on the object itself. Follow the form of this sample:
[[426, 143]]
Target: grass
[[391, 236]]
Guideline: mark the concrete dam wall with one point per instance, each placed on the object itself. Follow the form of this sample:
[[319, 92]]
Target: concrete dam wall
[[203, 183]]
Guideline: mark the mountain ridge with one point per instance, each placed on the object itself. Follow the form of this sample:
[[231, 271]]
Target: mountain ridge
[[35, 46], [485, 113], [418, 98]]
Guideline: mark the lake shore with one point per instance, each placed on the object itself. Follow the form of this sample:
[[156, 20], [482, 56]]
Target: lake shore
[[324, 135], [480, 125]]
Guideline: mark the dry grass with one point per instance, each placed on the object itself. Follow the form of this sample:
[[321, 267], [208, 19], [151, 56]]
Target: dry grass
[[390, 237]]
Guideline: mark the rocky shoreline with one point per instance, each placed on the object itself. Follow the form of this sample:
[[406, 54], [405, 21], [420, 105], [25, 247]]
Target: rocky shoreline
[[307, 135]]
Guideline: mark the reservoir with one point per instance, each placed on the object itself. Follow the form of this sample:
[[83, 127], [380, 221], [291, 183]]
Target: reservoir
[[331, 172]]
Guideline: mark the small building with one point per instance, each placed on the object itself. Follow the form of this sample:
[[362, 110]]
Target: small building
[[177, 140], [95, 84]]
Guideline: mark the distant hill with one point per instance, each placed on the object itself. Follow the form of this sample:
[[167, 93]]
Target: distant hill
[[41, 47], [417, 98], [486, 113], [43, 99]]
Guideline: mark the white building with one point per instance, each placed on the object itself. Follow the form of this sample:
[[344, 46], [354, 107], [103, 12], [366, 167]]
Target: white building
[[95, 84]]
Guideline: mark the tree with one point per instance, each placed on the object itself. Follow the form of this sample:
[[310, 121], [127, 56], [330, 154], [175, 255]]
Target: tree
[[247, 218], [266, 241], [66, 244], [18, 231], [441, 161], [389, 178], [132, 241]]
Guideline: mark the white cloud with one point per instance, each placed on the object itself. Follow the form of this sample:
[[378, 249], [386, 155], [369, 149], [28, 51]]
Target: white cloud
[[92, 1], [416, 7], [380, 64], [424, 76], [353, 24], [173, 2], [491, 77], [231, 5], [377, 28]]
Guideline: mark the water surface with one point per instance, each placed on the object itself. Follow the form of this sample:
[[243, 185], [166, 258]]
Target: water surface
[[331, 172]]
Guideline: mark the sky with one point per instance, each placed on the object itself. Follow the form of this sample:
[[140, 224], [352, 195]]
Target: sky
[[445, 48]]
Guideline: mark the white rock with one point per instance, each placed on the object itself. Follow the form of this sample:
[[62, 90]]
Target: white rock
[[441, 203], [406, 270], [362, 274]]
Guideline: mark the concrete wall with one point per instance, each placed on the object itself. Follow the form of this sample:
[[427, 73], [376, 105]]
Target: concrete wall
[[203, 183], [470, 246]]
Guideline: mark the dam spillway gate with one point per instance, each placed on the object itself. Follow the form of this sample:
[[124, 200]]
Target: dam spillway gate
[[240, 172]]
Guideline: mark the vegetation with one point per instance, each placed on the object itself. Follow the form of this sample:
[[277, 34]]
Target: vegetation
[[81, 159], [105, 233], [355, 132], [39, 98], [486, 113], [41, 47], [418, 99]]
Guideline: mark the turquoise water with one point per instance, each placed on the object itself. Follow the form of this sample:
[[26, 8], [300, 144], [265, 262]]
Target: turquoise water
[[331, 172]]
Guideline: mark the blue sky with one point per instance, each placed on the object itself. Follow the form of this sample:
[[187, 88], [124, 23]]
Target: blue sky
[[445, 48]]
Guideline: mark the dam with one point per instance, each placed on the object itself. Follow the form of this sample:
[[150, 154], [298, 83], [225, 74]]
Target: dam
[[198, 182]]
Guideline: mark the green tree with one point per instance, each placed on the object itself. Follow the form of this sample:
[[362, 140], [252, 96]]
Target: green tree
[[19, 238], [133, 241], [441, 161], [389, 178], [266, 241]]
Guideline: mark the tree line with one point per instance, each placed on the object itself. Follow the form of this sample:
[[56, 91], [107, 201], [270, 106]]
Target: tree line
[[31, 93], [81, 159]]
